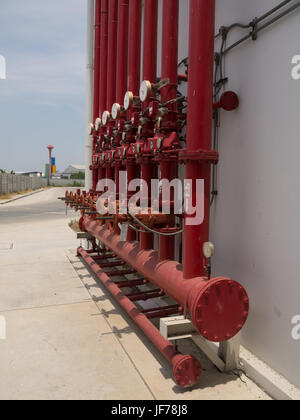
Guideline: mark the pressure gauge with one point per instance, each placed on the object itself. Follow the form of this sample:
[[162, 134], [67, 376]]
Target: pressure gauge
[[208, 250], [91, 129], [98, 124], [105, 117], [145, 90], [115, 111], [128, 100]]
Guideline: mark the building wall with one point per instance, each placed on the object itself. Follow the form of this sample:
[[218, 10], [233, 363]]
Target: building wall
[[255, 224], [255, 219]]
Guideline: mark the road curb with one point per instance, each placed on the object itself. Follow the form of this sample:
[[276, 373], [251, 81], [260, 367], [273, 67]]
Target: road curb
[[23, 196]]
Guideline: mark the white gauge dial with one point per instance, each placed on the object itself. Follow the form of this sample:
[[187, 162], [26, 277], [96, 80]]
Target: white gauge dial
[[105, 117], [145, 90]]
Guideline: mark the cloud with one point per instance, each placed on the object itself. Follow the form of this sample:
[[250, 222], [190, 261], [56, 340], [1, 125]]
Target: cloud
[[44, 48]]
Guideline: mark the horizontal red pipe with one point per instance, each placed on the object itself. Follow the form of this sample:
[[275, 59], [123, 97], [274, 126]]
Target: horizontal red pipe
[[218, 307], [186, 369]]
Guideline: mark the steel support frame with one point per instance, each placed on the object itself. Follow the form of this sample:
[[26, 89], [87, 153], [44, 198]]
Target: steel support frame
[[225, 356]]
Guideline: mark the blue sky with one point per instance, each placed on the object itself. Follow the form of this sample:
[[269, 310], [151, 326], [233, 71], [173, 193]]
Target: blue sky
[[42, 101]]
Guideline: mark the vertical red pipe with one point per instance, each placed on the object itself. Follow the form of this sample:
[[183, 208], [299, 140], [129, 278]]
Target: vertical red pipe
[[96, 79], [170, 48], [103, 56], [103, 67], [150, 40], [122, 56], [199, 124], [149, 170], [134, 75], [169, 171], [122, 64], [112, 52], [169, 168], [134, 48]]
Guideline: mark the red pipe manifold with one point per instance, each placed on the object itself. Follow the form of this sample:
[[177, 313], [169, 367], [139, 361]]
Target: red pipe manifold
[[142, 134]]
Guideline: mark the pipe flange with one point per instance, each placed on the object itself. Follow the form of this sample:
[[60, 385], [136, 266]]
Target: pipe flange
[[186, 371]]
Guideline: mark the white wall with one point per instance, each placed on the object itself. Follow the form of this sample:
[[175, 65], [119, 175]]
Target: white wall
[[255, 219]]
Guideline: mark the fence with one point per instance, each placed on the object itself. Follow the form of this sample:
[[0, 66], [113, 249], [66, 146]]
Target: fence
[[15, 183]]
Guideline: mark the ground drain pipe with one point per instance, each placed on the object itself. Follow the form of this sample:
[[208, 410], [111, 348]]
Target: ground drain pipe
[[186, 369]]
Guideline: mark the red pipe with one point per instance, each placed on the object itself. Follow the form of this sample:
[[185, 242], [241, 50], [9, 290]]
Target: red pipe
[[122, 55], [168, 166], [103, 68], [134, 48], [96, 81], [199, 125], [96, 59], [219, 307], [148, 169], [103, 56], [112, 52], [170, 49], [150, 40], [134, 75], [132, 173], [186, 369]]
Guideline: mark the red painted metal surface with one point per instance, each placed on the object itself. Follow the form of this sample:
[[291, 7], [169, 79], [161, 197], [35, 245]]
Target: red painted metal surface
[[103, 57], [148, 168], [134, 47], [186, 369], [96, 80], [218, 307], [122, 55], [169, 165], [112, 52], [199, 125], [147, 136]]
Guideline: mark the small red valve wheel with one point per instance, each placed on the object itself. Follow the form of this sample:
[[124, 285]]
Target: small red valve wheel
[[229, 101]]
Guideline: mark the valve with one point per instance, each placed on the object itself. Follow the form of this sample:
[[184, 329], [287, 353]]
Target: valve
[[229, 101], [147, 88], [106, 117], [91, 129], [135, 120], [98, 123], [116, 111], [130, 100]]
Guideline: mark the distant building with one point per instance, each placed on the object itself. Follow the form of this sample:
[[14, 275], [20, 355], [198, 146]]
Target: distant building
[[31, 174], [71, 170]]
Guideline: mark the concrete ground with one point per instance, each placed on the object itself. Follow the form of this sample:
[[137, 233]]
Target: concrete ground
[[66, 338]]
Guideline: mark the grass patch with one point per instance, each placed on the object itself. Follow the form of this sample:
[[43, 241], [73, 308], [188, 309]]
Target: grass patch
[[16, 194]]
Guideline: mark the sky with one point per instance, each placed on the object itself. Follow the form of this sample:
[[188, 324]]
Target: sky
[[42, 100]]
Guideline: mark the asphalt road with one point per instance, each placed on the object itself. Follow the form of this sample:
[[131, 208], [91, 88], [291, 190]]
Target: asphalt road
[[41, 206]]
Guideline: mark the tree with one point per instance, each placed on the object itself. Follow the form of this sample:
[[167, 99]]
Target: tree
[[79, 175]]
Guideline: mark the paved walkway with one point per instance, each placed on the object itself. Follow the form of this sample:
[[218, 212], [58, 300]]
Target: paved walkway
[[65, 338]]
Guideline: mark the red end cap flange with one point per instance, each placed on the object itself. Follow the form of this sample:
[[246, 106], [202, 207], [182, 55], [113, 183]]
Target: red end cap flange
[[186, 370], [220, 309]]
